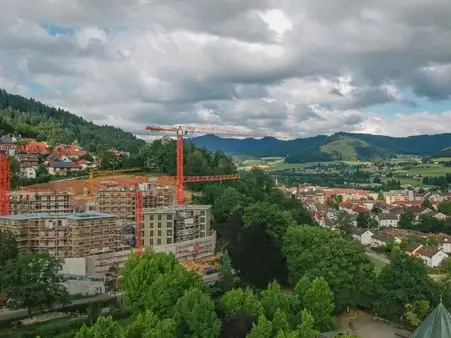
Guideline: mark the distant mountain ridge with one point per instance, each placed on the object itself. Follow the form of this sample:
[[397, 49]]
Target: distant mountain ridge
[[339, 146]]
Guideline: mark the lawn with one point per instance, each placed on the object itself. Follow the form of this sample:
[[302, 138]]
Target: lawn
[[405, 181], [430, 170], [378, 265]]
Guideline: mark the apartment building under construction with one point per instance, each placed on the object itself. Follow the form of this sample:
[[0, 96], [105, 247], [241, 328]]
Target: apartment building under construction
[[50, 202], [121, 201], [183, 230], [65, 235]]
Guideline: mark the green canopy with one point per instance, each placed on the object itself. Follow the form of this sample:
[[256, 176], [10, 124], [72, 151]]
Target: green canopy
[[436, 325]]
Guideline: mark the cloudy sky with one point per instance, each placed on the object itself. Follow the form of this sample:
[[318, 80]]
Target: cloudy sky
[[283, 67]]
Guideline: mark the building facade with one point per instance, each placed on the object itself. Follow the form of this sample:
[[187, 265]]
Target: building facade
[[52, 202], [183, 230], [65, 235]]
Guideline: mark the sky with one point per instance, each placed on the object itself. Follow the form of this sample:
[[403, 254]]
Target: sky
[[292, 68]]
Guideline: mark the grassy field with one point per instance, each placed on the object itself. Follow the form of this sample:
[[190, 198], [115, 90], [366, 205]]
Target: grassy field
[[429, 170], [409, 181], [442, 159], [378, 265], [284, 166]]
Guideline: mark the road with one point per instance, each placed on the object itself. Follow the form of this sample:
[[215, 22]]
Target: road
[[9, 315], [6, 314], [378, 256]]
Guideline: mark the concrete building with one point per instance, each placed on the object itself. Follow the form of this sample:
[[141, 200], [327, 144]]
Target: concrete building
[[65, 235], [183, 230], [96, 265], [121, 201], [24, 202]]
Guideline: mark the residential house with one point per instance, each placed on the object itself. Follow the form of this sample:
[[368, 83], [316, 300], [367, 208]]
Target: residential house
[[29, 172], [432, 213], [435, 196], [432, 257], [412, 248], [35, 147], [407, 203], [364, 236], [444, 242], [379, 240], [59, 168], [72, 151], [85, 164], [387, 220]]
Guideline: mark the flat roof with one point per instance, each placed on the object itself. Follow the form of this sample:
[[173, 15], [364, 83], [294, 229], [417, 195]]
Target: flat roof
[[172, 209], [73, 216]]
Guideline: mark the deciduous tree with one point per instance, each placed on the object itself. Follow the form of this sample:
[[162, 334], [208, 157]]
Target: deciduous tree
[[237, 300], [33, 281], [8, 247], [195, 315]]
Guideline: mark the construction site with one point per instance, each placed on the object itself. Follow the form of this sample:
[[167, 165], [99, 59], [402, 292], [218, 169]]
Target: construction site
[[96, 221]]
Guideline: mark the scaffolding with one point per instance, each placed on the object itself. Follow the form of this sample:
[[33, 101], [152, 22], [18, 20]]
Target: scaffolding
[[66, 235], [121, 201], [44, 201]]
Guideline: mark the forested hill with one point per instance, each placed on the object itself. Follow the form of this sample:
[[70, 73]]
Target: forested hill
[[340, 146], [34, 119]]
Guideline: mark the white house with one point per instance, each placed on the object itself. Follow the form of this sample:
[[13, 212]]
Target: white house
[[29, 172], [387, 220], [432, 257], [363, 236]]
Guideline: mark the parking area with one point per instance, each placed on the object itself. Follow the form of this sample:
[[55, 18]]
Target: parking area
[[366, 326]]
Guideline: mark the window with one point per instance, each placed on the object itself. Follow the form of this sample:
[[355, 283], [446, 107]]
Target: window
[[159, 217], [158, 241], [169, 240], [169, 217], [159, 233], [159, 225]]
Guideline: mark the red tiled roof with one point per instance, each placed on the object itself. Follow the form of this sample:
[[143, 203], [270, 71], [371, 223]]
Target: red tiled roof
[[36, 147], [405, 202], [69, 150]]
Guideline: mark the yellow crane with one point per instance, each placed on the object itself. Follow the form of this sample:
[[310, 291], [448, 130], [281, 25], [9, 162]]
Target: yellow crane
[[104, 172]]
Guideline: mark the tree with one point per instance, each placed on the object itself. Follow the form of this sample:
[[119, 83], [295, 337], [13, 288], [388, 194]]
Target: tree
[[306, 328], [427, 204], [415, 312], [140, 272], [280, 323], [341, 261], [111, 278], [316, 297], [237, 300], [274, 299], [445, 208], [364, 220], [226, 279], [8, 247], [33, 281], [262, 329], [195, 315], [406, 220], [226, 203], [403, 281], [148, 325], [237, 325], [103, 327], [344, 222], [167, 288]]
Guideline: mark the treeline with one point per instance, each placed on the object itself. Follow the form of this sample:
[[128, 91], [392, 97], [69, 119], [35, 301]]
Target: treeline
[[33, 119], [160, 157], [440, 181]]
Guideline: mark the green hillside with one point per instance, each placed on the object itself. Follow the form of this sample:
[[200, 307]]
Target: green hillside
[[350, 149], [30, 118]]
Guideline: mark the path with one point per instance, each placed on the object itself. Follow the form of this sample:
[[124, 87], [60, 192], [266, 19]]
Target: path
[[378, 256]]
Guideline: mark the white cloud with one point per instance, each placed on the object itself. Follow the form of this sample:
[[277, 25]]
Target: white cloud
[[297, 68]]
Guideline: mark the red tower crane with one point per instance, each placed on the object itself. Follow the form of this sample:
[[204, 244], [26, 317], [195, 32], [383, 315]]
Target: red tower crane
[[181, 131], [4, 184]]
